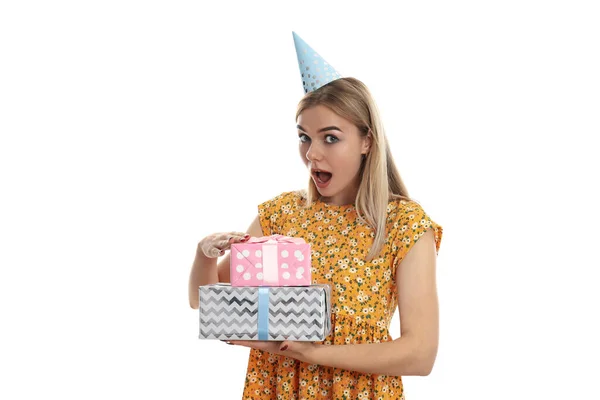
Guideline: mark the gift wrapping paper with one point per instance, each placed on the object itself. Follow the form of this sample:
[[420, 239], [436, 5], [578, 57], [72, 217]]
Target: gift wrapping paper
[[300, 313], [274, 260]]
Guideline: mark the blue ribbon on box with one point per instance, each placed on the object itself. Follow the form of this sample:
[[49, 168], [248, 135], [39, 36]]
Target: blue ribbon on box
[[263, 313]]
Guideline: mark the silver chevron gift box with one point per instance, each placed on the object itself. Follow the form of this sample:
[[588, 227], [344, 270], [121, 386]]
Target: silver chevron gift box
[[265, 313]]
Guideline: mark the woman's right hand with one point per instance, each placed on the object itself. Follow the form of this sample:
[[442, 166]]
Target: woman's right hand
[[214, 246]]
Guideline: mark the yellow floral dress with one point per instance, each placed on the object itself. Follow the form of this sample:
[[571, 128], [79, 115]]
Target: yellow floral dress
[[364, 296]]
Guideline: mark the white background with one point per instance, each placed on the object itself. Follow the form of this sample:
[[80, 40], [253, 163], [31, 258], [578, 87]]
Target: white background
[[130, 130]]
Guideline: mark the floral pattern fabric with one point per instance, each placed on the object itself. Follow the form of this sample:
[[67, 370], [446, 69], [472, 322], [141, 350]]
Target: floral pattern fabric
[[364, 294]]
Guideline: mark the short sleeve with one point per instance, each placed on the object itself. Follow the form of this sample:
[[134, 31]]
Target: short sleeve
[[413, 222], [271, 213]]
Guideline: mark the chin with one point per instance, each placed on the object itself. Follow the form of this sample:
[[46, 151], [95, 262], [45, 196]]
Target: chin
[[327, 192]]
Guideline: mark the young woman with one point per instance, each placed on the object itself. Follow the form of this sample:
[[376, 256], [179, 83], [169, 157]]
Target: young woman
[[375, 246]]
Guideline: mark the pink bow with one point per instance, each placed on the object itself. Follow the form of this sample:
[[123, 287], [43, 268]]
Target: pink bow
[[276, 239]]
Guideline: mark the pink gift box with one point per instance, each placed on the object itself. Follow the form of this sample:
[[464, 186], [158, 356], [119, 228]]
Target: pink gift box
[[271, 261]]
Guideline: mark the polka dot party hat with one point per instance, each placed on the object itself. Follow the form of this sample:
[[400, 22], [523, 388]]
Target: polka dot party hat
[[314, 70]]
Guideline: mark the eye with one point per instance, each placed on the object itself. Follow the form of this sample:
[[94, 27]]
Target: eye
[[303, 138], [331, 139]]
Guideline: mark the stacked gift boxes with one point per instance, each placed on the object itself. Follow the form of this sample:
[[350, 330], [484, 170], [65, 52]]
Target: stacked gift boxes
[[270, 296]]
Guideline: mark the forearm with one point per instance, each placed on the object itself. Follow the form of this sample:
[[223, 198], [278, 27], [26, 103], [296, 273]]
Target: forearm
[[401, 357], [204, 271]]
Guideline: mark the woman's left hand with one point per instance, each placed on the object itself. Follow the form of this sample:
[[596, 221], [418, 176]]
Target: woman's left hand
[[298, 350]]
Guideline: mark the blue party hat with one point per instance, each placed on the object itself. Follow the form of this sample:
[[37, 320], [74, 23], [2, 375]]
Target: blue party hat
[[314, 70]]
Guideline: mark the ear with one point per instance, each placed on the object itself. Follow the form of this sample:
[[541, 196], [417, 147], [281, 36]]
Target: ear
[[366, 143]]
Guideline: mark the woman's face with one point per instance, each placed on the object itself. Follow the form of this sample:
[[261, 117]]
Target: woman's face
[[332, 148]]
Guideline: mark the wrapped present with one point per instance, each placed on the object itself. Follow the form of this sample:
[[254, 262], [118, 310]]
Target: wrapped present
[[300, 313], [274, 260]]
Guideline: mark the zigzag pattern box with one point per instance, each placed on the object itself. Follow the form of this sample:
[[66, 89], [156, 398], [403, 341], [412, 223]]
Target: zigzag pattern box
[[300, 313]]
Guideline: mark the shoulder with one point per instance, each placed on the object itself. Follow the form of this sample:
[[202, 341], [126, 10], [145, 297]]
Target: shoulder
[[400, 208], [281, 204], [410, 221], [273, 213], [408, 207], [283, 200]]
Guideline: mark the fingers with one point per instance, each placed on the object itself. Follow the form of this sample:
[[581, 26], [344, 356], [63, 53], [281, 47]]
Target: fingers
[[284, 345], [210, 250], [227, 239], [215, 245], [239, 234], [214, 252], [235, 237]]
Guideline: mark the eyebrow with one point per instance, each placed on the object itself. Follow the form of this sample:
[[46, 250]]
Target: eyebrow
[[328, 128]]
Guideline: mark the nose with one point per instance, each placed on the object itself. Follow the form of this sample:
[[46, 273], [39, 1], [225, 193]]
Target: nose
[[314, 153]]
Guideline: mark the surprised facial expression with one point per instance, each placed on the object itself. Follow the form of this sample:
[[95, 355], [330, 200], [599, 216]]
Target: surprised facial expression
[[332, 149]]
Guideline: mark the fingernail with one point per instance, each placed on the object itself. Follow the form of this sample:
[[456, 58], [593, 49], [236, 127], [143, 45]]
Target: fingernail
[[284, 348], [246, 235]]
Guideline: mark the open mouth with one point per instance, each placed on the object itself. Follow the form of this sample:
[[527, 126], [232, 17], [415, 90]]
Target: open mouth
[[321, 177]]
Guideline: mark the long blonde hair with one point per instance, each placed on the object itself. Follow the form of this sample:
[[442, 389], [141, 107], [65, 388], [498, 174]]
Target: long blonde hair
[[380, 180]]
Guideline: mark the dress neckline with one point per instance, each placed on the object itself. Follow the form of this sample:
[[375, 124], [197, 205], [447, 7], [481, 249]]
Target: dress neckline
[[339, 206]]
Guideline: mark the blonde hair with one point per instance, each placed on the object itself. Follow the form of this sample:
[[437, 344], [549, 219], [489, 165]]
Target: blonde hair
[[380, 180]]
